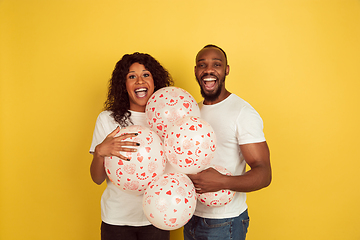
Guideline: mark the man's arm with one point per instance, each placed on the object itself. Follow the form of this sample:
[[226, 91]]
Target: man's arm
[[256, 155]]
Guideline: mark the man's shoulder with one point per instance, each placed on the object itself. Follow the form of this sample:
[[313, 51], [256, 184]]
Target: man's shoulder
[[235, 98], [238, 101]]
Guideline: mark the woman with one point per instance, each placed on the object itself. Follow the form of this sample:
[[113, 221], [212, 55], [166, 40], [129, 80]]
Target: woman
[[135, 78]]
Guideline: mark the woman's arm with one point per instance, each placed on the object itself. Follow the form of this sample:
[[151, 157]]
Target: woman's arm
[[111, 146]]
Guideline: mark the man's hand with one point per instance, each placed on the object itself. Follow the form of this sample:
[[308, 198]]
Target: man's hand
[[256, 155], [208, 180]]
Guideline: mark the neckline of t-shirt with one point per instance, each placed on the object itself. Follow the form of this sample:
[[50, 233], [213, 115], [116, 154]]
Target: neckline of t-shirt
[[216, 104], [136, 113]]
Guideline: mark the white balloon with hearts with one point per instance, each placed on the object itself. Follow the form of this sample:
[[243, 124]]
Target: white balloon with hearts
[[190, 145], [170, 200], [166, 106], [219, 198], [147, 163]]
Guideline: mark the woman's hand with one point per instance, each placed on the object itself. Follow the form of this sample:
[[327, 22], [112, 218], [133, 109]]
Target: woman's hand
[[112, 146]]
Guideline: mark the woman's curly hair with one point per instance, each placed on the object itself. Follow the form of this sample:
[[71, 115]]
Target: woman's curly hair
[[118, 98]]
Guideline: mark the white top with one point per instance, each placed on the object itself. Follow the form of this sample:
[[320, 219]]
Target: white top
[[235, 122], [117, 206]]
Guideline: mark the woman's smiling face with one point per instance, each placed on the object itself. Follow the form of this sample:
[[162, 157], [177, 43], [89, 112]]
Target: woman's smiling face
[[140, 86]]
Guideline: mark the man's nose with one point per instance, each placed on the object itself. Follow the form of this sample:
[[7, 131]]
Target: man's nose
[[209, 69]]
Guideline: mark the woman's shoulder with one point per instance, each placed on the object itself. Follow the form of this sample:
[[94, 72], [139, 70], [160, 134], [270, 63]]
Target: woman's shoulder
[[105, 116]]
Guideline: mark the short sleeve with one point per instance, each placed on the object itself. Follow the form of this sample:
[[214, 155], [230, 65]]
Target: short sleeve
[[102, 129], [249, 126]]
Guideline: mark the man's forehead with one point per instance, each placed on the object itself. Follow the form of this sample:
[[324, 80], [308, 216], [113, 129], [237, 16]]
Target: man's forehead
[[210, 53]]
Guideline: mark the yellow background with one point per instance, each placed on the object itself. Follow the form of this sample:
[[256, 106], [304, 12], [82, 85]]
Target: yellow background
[[297, 62]]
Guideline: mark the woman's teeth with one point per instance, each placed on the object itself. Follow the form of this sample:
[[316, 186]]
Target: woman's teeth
[[141, 92]]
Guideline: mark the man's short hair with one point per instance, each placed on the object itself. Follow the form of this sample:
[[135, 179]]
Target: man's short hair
[[214, 46]]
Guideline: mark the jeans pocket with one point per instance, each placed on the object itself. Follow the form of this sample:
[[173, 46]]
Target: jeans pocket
[[245, 224], [215, 223]]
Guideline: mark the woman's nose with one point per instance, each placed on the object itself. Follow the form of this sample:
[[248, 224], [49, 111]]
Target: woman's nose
[[140, 80]]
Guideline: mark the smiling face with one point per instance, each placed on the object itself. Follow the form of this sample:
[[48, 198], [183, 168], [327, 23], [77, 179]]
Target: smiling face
[[210, 71], [140, 86]]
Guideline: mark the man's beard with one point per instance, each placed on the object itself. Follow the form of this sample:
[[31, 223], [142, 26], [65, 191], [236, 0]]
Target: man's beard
[[211, 97]]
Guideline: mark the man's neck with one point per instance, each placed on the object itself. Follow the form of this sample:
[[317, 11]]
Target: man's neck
[[221, 97]]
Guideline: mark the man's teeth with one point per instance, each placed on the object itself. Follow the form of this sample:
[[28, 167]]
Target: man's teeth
[[209, 82], [209, 79]]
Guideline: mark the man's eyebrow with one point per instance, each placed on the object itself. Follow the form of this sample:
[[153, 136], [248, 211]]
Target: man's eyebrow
[[203, 59]]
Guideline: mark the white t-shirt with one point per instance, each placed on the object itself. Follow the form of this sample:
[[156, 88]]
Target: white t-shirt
[[235, 122], [117, 206]]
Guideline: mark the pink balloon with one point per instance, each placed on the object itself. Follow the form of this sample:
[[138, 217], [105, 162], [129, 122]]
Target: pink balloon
[[219, 198], [170, 200], [166, 106], [147, 163], [190, 145]]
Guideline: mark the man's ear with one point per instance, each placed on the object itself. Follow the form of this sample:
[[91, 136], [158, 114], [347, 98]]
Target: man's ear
[[227, 70]]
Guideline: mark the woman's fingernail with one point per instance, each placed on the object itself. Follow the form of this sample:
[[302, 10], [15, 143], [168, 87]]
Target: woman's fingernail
[[136, 134], [137, 144], [128, 159]]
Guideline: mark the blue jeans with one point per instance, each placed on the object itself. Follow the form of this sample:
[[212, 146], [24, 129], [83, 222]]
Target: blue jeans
[[217, 229]]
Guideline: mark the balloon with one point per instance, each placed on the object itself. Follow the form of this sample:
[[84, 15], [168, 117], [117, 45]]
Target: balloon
[[147, 163], [219, 198], [190, 145], [167, 105], [170, 200]]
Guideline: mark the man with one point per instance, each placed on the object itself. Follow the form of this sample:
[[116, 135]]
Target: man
[[240, 141]]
